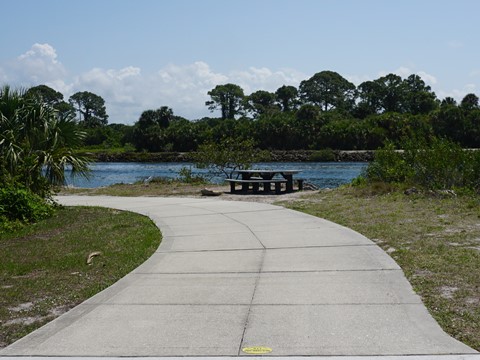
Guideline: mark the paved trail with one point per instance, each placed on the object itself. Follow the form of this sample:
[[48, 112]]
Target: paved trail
[[232, 275]]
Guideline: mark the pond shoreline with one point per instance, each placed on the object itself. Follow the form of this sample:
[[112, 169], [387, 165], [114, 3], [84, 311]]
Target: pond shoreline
[[275, 156]]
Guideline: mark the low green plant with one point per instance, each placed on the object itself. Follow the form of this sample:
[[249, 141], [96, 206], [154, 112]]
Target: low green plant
[[438, 165], [186, 175], [388, 166], [23, 205], [324, 155]]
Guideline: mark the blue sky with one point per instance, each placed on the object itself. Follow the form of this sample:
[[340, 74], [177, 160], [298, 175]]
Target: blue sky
[[143, 54]]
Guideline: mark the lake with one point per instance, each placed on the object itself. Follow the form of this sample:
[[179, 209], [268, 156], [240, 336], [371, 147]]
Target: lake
[[324, 175]]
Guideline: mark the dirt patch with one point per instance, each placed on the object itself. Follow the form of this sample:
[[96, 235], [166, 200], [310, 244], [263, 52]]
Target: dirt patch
[[448, 292], [261, 198], [22, 307], [24, 320]]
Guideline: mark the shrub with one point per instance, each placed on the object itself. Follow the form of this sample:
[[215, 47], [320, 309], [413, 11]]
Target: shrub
[[325, 155], [187, 176], [438, 165], [23, 205], [388, 166]]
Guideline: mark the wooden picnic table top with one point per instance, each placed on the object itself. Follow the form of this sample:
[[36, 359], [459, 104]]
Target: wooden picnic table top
[[267, 171]]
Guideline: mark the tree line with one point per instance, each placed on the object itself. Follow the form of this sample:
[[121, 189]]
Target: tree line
[[325, 111]]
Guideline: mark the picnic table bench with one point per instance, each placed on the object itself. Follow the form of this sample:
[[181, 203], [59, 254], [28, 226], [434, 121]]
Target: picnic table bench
[[256, 177]]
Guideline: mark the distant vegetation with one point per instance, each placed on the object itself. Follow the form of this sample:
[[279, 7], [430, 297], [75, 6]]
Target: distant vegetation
[[326, 111]]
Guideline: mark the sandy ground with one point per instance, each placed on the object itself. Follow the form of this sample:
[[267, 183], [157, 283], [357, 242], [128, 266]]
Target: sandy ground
[[262, 198]]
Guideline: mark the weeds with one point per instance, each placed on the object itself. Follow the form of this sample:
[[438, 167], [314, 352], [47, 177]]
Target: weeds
[[438, 165]]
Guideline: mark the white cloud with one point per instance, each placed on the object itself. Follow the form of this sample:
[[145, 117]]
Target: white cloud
[[254, 79], [405, 72], [128, 92], [458, 94], [358, 79], [40, 51], [38, 65], [428, 78]]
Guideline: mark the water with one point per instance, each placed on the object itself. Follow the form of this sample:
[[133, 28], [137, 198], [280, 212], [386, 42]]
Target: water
[[324, 175]]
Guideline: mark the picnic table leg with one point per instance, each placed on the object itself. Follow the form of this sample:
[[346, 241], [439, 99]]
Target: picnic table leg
[[300, 184], [267, 187], [245, 185], [278, 188], [232, 187], [289, 179]]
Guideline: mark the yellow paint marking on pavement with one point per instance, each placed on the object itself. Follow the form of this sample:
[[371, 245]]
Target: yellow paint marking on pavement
[[257, 350]]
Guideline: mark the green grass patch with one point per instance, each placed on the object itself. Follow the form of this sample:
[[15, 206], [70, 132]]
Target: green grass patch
[[157, 187], [434, 238], [43, 270]]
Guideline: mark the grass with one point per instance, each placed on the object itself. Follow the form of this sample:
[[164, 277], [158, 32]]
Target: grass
[[43, 270], [159, 187], [434, 238]]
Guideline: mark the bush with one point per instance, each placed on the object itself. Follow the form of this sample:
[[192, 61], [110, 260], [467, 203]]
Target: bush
[[23, 205], [187, 176], [439, 165], [388, 166], [325, 155]]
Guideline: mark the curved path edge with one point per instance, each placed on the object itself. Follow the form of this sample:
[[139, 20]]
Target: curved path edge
[[233, 275]]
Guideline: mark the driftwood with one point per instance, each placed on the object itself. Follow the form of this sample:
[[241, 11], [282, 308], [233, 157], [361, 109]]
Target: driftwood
[[207, 192], [91, 256]]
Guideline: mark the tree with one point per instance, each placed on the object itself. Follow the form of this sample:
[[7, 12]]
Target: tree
[[470, 102], [260, 102], [419, 98], [392, 93], [370, 94], [329, 90], [225, 157], [228, 98], [287, 98], [36, 145], [308, 112], [181, 135], [149, 131], [91, 109], [160, 117], [448, 101], [53, 99], [449, 122], [46, 94]]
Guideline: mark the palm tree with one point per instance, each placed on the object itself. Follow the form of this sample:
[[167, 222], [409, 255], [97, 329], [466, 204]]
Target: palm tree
[[36, 144]]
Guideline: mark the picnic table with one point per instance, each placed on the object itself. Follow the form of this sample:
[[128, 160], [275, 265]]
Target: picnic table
[[266, 177]]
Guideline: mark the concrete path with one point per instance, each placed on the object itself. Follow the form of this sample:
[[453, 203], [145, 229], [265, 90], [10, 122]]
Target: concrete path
[[234, 275]]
